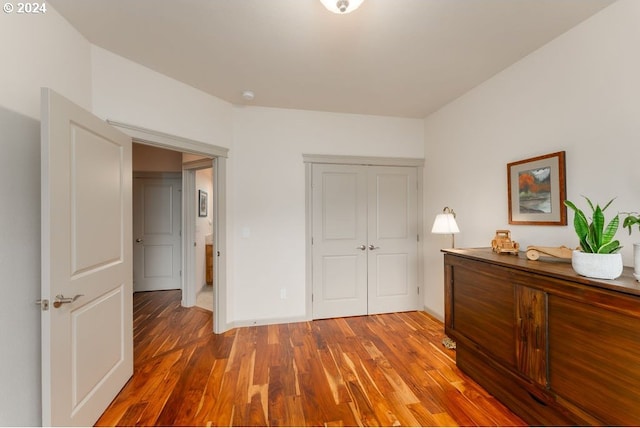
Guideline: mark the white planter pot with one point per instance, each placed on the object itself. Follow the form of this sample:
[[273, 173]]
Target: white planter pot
[[600, 266], [636, 261]]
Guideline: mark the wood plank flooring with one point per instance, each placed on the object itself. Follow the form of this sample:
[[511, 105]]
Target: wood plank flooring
[[381, 370]]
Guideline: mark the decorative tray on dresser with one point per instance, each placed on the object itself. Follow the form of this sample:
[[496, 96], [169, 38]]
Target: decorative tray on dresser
[[554, 347]]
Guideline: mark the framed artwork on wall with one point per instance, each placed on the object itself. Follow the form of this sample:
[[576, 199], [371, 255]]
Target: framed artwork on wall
[[536, 190], [203, 203]]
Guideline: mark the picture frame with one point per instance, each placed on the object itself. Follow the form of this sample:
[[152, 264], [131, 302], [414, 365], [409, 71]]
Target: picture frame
[[537, 190], [203, 203]]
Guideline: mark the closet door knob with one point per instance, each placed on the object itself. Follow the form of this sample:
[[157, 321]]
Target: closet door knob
[[361, 247], [372, 247]]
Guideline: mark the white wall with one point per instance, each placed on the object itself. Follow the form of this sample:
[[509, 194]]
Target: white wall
[[580, 93], [265, 171], [128, 92], [269, 193], [36, 51], [42, 51]]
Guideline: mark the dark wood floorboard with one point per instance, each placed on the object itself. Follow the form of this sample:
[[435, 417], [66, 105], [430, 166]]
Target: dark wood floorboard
[[380, 370]]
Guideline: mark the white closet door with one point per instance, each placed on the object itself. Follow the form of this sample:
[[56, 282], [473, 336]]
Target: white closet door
[[339, 241], [365, 249], [392, 239]]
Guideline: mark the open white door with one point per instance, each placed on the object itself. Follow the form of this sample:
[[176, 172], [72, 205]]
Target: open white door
[[87, 338]]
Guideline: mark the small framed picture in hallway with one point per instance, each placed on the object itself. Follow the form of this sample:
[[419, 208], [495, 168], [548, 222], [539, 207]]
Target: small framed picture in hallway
[[203, 203]]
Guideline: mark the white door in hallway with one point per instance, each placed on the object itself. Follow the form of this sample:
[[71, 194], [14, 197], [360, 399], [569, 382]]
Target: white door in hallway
[[157, 255], [364, 250], [87, 339]]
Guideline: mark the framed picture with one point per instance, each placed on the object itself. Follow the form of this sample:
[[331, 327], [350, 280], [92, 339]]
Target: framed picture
[[537, 190], [203, 203]]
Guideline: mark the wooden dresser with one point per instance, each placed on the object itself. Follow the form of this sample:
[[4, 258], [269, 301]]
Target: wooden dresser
[[554, 347]]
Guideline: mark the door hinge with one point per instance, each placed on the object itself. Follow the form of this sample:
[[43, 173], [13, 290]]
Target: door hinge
[[181, 272], [312, 240], [418, 237]]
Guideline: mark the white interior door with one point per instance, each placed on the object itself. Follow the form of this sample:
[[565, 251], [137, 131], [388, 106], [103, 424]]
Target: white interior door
[[365, 249], [156, 231], [339, 241], [87, 340], [393, 239]]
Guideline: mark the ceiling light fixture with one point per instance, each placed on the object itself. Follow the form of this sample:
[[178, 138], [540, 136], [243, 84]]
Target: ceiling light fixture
[[342, 7], [248, 95]]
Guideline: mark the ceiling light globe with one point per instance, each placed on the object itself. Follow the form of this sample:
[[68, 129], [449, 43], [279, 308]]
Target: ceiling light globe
[[342, 7]]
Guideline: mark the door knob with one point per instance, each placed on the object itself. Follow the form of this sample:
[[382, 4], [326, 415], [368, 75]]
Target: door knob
[[372, 247], [139, 240], [361, 247], [60, 300]]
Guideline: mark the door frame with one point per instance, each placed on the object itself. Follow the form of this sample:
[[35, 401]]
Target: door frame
[[218, 162], [311, 159], [189, 169]]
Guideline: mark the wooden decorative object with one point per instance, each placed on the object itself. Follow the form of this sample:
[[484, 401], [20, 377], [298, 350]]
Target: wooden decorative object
[[534, 252], [502, 243]]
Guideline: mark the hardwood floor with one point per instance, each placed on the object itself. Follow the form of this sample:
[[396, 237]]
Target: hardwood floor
[[381, 370]]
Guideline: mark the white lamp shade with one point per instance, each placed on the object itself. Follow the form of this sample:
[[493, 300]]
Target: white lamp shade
[[445, 223], [332, 5]]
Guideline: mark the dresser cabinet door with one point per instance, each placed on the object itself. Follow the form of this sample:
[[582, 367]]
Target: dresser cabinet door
[[595, 359], [531, 335], [483, 309]]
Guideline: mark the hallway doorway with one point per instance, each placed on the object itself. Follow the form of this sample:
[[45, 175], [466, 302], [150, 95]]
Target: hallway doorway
[[197, 155]]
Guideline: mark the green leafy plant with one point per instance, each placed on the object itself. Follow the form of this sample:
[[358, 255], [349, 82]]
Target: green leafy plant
[[594, 236], [630, 220]]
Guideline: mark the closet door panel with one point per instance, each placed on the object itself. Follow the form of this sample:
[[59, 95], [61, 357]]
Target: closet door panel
[[392, 239], [339, 234], [365, 245]]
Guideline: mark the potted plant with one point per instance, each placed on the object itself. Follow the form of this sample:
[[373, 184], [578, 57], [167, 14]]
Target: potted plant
[[599, 255], [629, 221]]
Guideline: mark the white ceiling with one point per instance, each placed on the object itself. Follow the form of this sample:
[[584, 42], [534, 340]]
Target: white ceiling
[[389, 57]]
